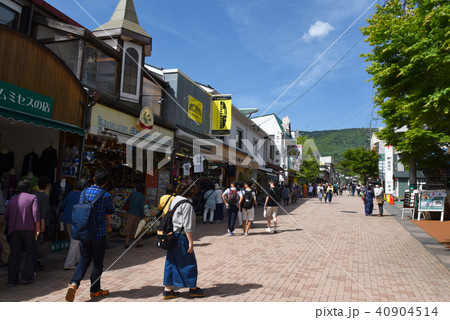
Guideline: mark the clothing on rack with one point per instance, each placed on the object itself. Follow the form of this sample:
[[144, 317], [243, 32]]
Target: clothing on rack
[[48, 162], [198, 163], [30, 163], [186, 169], [6, 161]]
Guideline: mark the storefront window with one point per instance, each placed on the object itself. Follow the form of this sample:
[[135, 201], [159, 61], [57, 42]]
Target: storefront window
[[8, 17], [99, 70], [130, 73], [67, 52]]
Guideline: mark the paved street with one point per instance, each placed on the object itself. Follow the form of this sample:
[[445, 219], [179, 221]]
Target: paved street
[[323, 252]]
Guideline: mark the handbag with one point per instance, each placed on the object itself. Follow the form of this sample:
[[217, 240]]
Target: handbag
[[380, 200]]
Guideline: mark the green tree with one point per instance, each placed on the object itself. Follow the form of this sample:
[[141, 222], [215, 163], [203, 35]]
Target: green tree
[[309, 170], [410, 69], [361, 162]]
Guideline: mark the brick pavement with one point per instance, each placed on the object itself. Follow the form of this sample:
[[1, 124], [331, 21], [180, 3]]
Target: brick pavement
[[323, 252]]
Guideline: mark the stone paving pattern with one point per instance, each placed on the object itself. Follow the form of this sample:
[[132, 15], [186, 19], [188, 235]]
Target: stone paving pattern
[[322, 253]]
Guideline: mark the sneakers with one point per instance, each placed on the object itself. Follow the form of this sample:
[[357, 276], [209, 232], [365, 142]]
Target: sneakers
[[274, 230], [70, 295], [170, 295], [230, 234], [269, 230], [245, 234], [100, 293], [198, 292]]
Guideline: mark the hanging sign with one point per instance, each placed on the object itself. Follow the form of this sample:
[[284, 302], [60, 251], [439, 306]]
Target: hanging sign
[[221, 115], [146, 119], [195, 109]]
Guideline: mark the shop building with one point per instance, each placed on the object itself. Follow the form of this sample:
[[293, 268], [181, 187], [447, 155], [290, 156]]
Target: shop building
[[42, 110], [279, 132], [125, 114]]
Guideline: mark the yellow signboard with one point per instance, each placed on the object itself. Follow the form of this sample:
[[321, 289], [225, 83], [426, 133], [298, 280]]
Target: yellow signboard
[[221, 116], [195, 109]]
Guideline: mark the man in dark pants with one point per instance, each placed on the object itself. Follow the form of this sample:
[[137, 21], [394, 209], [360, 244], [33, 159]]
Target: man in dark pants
[[22, 215], [231, 199], [94, 250]]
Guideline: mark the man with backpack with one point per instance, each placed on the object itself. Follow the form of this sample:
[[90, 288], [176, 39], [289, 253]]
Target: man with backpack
[[93, 249], [231, 199], [248, 203]]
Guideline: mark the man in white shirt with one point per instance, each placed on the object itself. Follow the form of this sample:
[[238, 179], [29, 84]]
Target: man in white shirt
[[379, 196]]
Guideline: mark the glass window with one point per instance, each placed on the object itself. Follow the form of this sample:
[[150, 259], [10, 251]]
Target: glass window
[[68, 52], [130, 73], [99, 70], [152, 96], [239, 137], [8, 17]]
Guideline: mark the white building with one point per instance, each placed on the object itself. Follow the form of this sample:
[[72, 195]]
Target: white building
[[280, 133]]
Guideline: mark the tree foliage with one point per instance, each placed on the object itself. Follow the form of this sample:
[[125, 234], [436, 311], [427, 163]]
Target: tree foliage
[[410, 69], [361, 162]]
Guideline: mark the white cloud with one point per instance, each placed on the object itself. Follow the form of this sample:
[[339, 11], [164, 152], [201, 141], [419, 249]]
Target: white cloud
[[318, 30]]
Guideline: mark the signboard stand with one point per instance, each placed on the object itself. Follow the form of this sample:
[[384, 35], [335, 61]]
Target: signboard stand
[[432, 200], [409, 203]]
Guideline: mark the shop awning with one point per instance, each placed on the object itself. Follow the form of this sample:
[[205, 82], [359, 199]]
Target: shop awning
[[39, 121]]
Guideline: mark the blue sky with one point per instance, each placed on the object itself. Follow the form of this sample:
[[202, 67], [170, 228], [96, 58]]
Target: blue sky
[[256, 49]]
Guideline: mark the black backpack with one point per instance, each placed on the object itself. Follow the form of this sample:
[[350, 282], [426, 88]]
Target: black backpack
[[165, 237], [248, 200]]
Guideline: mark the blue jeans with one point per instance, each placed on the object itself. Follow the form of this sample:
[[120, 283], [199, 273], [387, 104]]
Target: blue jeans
[[232, 214], [91, 251]]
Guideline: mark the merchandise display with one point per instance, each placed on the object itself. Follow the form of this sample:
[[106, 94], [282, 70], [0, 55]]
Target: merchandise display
[[119, 219]]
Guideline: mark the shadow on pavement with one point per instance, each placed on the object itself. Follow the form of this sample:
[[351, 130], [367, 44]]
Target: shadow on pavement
[[231, 289], [144, 292]]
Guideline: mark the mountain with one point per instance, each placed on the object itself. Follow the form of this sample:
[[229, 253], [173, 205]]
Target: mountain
[[335, 142]]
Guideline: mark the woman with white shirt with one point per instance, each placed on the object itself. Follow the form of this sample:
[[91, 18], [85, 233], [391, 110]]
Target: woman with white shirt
[[181, 265]]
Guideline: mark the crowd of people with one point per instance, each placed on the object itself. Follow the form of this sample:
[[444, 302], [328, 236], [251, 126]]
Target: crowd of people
[[26, 214]]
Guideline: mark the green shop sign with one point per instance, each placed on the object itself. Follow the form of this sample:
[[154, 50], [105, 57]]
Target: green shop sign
[[26, 101]]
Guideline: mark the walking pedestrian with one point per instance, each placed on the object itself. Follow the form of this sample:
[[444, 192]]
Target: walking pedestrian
[[3, 241], [42, 244], [72, 198], [218, 214], [368, 201], [330, 192], [294, 193], [248, 204], [22, 215], [285, 194], [94, 250], [136, 213], [239, 189], [353, 190], [210, 204], [379, 196], [165, 200], [271, 206], [231, 199], [180, 268], [320, 192], [310, 190]]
